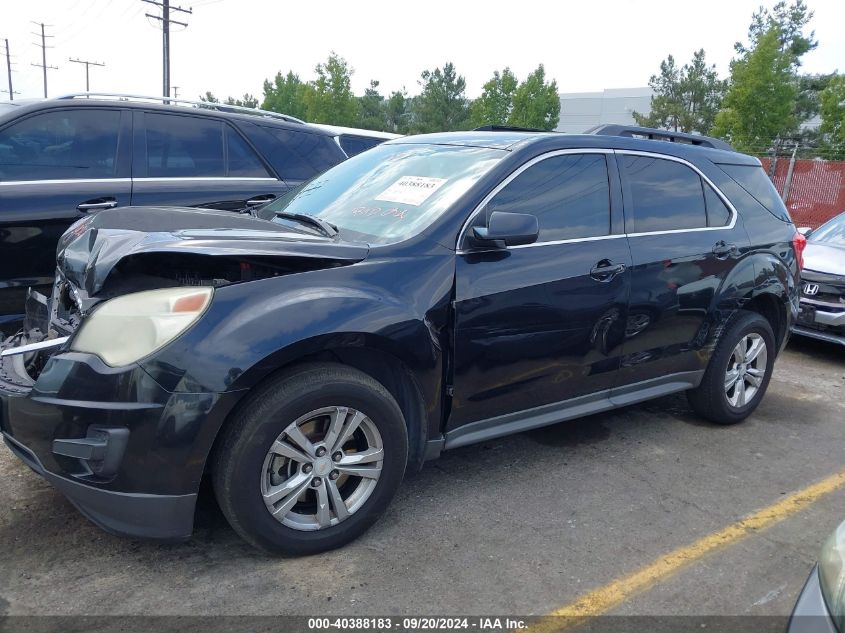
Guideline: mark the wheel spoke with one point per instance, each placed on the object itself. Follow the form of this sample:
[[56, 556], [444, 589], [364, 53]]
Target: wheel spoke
[[335, 426], [363, 457], [292, 498], [754, 376], [339, 505], [740, 394], [286, 450], [298, 437], [324, 513], [277, 493], [348, 429], [739, 351], [730, 379], [369, 472], [757, 346]]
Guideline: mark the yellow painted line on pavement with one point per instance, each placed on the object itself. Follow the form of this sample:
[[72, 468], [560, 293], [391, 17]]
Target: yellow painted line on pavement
[[603, 599]]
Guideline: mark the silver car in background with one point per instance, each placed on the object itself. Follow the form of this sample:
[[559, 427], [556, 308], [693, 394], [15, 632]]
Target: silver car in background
[[822, 308]]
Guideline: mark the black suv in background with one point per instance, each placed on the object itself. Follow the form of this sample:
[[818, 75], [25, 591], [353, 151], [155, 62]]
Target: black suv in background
[[429, 293], [66, 157]]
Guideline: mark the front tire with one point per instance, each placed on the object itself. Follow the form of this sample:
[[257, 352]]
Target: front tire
[[311, 461], [739, 371]]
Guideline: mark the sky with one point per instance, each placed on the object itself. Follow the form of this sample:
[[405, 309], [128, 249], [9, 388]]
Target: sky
[[231, 46]]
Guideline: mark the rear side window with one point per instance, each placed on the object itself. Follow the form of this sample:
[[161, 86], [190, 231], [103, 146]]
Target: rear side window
[[183, 146], [665, 195], [754, 180], [302, 155], [569, 194], [353, 145], [242, 160], [69, 144], [718, 213]]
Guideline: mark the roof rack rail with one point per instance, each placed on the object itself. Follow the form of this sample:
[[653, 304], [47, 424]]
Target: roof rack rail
[[220, 107], [505, 128], [613, 129]]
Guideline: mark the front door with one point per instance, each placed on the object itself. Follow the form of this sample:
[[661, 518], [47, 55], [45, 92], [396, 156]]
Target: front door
[[543, 323], [197, 161]]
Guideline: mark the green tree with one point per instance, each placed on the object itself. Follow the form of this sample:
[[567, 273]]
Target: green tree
[[760, 103], [396, 112], [442, 105], [686, 99], [373, 114], [331, 100], [286, 94], [209, 97], [494, 105], [833, 115], [789, 20], [536, 103], [248, 100]]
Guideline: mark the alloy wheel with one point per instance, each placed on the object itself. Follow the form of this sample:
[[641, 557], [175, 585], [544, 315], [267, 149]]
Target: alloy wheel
[[746, 369]]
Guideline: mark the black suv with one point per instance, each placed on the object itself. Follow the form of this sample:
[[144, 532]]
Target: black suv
[[66, 157], [432, 292]]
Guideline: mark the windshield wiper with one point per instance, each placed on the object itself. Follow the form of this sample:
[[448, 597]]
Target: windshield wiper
[[327, 228]]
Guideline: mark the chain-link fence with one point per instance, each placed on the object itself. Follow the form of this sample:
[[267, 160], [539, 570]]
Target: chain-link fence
[[814, 188]]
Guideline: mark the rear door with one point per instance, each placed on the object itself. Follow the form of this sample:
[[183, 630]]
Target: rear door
[[685, 238], [543, 323], [55, 167], [192, 161]]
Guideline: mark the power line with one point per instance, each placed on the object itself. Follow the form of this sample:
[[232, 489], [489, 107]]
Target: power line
[[166, 21], [43, 65], [11, 91], [87, 64]]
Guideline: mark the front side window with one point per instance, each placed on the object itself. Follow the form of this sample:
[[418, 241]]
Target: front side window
[[242, 160], [391, 192], [184, 146], [665, 195], [67, 144], [569, 194], [303, 155]]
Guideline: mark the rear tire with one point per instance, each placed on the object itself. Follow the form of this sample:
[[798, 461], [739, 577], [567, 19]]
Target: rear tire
[[739, 371], [311, 461]]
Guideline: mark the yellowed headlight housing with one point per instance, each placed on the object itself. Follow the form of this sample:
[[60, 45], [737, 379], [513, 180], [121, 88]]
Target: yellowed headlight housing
[[832, 575], [128, 328]]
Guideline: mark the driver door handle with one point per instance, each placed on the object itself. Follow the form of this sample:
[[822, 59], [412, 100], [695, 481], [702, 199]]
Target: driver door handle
[[723, 250], [606, 270], [96, 205]]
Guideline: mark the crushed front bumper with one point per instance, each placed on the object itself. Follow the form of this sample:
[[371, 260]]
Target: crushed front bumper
[[126, 452], [821, 320]]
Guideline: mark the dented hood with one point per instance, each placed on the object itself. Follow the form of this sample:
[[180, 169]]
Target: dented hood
[[92, 247]]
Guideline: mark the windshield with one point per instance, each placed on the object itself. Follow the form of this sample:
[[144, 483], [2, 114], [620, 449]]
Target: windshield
[[389, 193], [832, 232]]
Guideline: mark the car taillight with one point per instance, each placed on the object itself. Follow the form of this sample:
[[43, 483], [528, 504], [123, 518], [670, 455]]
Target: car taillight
[[799, 243]]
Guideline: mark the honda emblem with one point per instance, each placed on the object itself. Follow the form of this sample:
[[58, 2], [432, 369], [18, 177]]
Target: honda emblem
[[811, 289]]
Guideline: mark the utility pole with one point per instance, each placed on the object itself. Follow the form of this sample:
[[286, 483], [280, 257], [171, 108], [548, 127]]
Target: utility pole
[[11, 91], [87, 64], [175, 92], [166, 21], [43, 65]]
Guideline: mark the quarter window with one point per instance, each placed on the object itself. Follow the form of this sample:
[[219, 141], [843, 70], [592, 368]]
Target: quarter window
[[302, 155], [183, 146], [77, 144], [665, 195], [718, 213], [569, 194]]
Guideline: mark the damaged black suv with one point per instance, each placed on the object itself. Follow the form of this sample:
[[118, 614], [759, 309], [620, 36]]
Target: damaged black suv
[[430, 293]]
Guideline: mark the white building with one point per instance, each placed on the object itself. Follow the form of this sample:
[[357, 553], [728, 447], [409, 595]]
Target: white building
[[579, 111]]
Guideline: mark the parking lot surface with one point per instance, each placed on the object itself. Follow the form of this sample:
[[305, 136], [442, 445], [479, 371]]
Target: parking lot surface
[[519, 525]]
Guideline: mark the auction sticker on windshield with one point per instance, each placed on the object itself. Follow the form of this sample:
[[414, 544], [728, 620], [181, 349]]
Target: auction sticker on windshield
[[413, 190]]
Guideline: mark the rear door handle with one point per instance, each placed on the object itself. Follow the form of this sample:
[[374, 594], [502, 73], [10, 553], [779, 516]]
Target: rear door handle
[[723, 250], [97, 205], [606, 270]]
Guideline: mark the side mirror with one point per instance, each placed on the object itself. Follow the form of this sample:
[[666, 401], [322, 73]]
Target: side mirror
[[805, 230], [508, 229]]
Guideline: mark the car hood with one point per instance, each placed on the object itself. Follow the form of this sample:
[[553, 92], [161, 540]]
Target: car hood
[[91, 248], [824, 258]]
